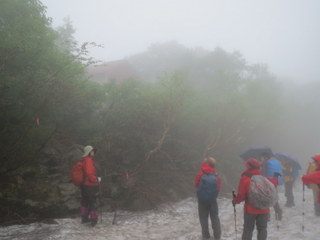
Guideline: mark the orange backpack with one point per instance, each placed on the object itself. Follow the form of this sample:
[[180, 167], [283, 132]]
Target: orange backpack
[[77, 173]]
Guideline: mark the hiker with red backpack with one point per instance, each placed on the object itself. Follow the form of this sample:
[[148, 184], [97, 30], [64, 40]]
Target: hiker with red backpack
[[84, 175], [208, 184], [258, 194]]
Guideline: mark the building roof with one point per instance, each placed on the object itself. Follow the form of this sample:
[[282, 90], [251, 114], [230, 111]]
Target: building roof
[[116, 70]]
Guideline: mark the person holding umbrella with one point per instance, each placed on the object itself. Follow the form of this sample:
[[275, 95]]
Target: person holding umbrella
[[252, 215], [290, 168], [270, 168]]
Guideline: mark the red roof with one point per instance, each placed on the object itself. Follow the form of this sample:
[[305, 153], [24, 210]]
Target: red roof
[[117, 70]]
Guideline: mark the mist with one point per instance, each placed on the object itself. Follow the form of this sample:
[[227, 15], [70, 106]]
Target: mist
[[156, 86], [284, 35]]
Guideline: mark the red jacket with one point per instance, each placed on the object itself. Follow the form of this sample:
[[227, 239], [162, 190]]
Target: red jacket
[[243, 191], [90, 172], [206, 168], [312, 178]]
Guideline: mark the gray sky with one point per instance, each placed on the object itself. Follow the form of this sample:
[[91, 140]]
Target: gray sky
[[284, 34]]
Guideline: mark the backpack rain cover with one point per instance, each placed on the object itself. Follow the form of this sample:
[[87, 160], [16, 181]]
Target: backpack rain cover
[[77, 173], [262, 193], [207, 190]]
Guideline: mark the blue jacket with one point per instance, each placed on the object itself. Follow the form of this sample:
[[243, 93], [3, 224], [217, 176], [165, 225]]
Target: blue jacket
[[270, 167]]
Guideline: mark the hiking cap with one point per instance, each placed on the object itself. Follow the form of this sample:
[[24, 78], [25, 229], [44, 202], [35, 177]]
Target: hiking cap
[[211, 161], [87, 150], [252, 163], [316, 158]]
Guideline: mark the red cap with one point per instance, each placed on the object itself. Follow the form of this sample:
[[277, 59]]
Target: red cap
[[252, 163], [316, 158]]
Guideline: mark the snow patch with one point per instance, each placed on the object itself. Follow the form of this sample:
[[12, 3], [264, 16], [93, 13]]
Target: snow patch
[[174, 221]]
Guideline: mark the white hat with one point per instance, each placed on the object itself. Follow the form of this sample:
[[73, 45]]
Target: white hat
[[87, 150]]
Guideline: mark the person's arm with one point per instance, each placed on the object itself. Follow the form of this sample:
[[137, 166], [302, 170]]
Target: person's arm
[[243, 189], [313, 178], [197, 179]]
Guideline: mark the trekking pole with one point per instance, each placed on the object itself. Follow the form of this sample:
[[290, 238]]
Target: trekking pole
[[277, 214], [234, 213], [303, 200]]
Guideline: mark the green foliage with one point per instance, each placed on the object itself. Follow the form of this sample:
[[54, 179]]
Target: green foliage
[[197, 103], [38, 81]]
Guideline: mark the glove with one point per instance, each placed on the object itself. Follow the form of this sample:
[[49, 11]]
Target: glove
[[276, 174], [99, 179]]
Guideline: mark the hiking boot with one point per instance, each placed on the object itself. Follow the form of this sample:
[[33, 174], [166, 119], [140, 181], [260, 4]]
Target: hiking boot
[[85, 219], [84, 213], [206, 238], [94, 222], [289, 204], [93, 218]]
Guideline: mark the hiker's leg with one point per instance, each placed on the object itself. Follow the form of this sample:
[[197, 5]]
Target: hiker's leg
[[84, 211], [292, 185], [278, 211], [317, 207], [203, 210], [215, 221], [286, 191], [92, 197], [289, 193], [262, 224], [248, 225], [316, 204]]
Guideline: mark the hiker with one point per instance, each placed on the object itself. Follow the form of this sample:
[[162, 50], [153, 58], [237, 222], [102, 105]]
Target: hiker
[[208, 185], [252, 215], [290, 171], [271, 168], [89, 188], [312, 179]]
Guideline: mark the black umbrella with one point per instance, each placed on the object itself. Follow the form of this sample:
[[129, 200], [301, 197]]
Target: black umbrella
[[256, 152], [295, 163]]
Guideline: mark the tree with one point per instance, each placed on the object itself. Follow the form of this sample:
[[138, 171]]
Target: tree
[[40, 85]]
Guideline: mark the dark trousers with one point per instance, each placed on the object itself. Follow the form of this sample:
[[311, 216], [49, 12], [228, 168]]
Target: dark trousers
[[204, 211], [261, 220], [316, 203], [289, 193], [89, 199], [317, 208], [277, 211]]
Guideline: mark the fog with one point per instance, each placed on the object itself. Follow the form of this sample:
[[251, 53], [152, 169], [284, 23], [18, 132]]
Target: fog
[[282, 34]]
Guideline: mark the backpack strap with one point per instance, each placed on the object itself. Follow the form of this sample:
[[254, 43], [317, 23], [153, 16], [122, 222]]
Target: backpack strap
[[248, 174]]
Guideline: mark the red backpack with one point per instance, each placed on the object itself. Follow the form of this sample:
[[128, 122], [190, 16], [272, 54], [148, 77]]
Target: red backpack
[[77, 173]]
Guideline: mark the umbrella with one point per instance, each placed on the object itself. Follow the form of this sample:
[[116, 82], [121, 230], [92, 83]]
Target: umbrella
[[255, 152], [295, 164]]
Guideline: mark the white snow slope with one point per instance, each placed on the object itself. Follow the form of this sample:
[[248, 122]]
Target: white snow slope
[[177, 221]]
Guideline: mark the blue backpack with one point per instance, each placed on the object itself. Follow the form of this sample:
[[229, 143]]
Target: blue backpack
[[208, 191], [274, 166]]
